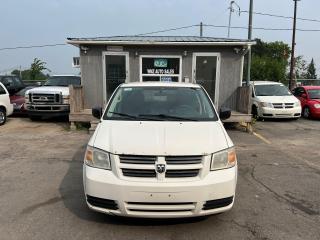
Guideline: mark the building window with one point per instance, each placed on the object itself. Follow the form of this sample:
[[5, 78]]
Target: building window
[[164, 69]]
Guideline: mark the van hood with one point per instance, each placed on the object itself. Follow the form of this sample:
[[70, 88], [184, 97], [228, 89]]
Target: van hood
[[278, 99], [50, 89], [160, 138]]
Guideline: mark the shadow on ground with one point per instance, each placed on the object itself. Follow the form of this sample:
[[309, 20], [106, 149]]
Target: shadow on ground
[[72, 194]]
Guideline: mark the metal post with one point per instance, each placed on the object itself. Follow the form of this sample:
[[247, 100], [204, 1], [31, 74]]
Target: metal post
[[201, 29], [249, 37], [230, 15], [292, 64]]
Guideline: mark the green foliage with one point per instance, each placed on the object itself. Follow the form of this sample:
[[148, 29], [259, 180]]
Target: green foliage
[[270, 61], [311, 71], [36, 68], [35, 71]]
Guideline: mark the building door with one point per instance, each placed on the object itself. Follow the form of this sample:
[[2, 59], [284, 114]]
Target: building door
[[115, 71], [206, 70]]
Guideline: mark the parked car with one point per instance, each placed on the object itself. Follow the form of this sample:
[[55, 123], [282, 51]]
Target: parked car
[[18, 101], [6, 108], [52, 99], [160, 151], [12, 83], [309, 97], [274, 100]]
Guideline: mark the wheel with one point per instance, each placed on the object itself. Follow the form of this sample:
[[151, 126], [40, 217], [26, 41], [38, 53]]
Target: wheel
[[306, 112], [3, 116], [34, 118], [254, 112]]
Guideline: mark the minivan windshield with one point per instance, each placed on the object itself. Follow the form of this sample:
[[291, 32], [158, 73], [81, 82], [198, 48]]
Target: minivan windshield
[[160, 104], [271, 90], [63, 81]]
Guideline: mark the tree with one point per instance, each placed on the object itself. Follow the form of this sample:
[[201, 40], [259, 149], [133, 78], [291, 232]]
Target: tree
[[270, 61], [36, 68], [311, 71], [300, 67]]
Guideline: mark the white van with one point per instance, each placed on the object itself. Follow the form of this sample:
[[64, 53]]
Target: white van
[[160, 151], [274, 100], [6, 108]]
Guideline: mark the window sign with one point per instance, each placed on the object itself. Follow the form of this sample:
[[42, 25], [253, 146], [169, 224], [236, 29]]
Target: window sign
[[160, 69], [166, 79], [160, 63]]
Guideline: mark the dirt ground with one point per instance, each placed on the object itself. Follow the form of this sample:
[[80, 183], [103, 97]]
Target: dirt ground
[[41, 191]]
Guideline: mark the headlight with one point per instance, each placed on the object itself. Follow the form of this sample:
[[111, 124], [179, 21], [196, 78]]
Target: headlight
[[26, 98], [266, 104], [97, 158], [317, 105], [223, 159], [297, 104]]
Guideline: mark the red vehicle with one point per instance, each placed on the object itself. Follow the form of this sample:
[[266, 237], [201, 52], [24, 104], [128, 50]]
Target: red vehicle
[[309, 97], [18, 101]]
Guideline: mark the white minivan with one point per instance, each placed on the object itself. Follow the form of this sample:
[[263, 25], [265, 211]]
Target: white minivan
[[160, 151], [274, 100], [6, 108]]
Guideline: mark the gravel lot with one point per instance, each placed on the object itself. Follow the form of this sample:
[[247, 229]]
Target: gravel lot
[[278, 194]]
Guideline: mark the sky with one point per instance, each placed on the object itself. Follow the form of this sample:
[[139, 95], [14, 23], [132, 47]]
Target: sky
[[37, 22]]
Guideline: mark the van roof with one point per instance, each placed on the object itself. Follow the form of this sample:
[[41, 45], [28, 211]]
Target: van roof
[[265, 83], [160, 84]]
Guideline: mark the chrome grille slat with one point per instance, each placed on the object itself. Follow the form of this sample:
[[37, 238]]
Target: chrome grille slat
[[182, 173], [42, 98], [136, 159], [183, 159]]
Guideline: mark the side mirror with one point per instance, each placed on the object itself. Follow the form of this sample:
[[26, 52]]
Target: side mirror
[[303, 95], [97, 112], [225, 113]]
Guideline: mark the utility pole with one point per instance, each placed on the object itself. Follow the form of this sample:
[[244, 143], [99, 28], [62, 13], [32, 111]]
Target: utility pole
[[292, 64], [20, 74], [250, 38], [201, 29], [230, 15]]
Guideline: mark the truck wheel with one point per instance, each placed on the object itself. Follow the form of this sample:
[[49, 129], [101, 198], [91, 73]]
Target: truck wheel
[[3, 116], [34, 118], [306, 112]]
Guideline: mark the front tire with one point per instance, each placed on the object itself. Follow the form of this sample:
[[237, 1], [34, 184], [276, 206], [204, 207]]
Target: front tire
[[254, 112], [306, 113], [3, 116]]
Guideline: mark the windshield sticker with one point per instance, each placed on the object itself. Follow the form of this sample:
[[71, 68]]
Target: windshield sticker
[[127, 89]]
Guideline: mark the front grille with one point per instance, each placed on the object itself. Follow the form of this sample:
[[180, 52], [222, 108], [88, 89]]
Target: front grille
[[160, 207], [144, 173], [277, 105], [41, 98], [135, 159], [183, 159], [102, 203], [182, 173], [140, 166], [283, 105], [218, 203]]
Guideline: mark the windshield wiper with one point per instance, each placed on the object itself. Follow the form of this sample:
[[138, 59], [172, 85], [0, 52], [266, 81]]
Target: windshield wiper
[[140, 117], [164, 116]]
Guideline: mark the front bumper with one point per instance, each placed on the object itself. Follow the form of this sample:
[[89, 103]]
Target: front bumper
[[160, 200], [48, 110], [280, 113]]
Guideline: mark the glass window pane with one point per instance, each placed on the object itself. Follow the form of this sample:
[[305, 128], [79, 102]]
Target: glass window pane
[[115, 72]]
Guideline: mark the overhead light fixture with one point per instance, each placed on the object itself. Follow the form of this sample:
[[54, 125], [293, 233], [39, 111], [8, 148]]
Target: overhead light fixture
[[84, 49]]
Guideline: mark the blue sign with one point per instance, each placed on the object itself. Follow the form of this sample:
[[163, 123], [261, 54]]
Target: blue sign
[[160, 63]]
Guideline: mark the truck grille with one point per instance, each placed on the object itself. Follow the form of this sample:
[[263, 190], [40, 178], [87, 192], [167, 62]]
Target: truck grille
[[41, 98], [283, 105], [145, 166]]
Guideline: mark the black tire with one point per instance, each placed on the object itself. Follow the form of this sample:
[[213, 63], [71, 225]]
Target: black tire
[[3, 116], [254, 112], [306, 112], [35, 118]]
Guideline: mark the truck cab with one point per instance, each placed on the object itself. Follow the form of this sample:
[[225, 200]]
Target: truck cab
[[52, 99]]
